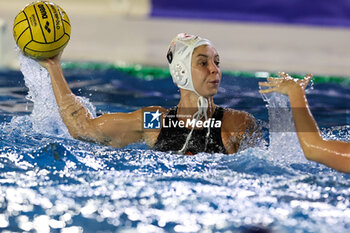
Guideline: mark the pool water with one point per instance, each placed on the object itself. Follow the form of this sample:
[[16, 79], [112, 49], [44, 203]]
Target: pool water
[[50, 182]]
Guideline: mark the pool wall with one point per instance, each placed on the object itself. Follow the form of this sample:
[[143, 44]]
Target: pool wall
[[312, 12], [154, 72], [119, 32]]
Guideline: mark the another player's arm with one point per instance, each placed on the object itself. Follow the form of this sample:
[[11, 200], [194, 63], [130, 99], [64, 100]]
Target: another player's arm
[[335, 154]]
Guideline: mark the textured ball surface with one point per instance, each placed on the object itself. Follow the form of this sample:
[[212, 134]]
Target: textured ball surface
[[41, 30]]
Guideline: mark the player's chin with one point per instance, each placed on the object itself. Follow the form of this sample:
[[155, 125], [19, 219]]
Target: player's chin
[[211, 92]]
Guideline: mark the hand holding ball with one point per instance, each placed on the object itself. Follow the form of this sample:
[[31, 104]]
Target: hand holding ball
[[42, 30]]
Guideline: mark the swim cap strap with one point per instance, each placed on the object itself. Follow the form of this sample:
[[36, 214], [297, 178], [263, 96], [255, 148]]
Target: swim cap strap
[[202, 105]]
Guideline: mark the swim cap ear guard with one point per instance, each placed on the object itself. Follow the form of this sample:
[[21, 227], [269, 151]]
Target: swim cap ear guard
[[179, 74], [180, 57]]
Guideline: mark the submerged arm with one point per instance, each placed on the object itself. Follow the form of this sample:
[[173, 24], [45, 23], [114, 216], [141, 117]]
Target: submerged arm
[[335, 154], [117, 129]]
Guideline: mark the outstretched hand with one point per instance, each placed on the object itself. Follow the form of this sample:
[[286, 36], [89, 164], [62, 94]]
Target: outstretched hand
[[50, 61], [285, 84]]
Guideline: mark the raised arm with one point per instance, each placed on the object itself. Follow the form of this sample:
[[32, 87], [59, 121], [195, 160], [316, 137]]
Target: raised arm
[[335, 154], [117, 129]]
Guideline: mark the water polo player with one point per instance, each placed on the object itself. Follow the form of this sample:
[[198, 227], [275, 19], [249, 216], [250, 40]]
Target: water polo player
[[195, 125]]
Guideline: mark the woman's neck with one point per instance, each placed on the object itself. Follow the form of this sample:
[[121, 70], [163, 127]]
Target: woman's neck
[[188, 104]]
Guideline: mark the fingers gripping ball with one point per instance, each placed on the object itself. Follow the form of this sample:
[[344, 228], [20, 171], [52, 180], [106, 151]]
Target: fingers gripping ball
[[41, 30]]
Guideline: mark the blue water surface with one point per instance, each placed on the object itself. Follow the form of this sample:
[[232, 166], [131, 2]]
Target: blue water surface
[[50, 182]]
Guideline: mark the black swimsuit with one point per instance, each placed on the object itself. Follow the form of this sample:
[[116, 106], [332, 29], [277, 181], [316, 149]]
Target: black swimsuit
[[173, 138]]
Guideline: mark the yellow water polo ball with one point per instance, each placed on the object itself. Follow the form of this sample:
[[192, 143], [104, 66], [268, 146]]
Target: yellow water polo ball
[[41, 30]]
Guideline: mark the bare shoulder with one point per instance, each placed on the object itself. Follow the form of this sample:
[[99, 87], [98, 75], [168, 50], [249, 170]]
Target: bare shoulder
[[235, 124], [237, 121]]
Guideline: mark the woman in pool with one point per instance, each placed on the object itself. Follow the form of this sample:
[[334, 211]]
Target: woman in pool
[[195, 125], [334, 154]]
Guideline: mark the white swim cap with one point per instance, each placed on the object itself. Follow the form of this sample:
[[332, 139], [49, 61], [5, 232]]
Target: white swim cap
[[180, 57]]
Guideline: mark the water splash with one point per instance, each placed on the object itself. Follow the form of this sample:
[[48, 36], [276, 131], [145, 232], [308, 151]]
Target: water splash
[[284, 144], [341, 133], [45, 117]]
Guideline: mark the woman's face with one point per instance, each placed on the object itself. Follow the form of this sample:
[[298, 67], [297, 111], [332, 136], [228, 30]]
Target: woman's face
[[206, 73]]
